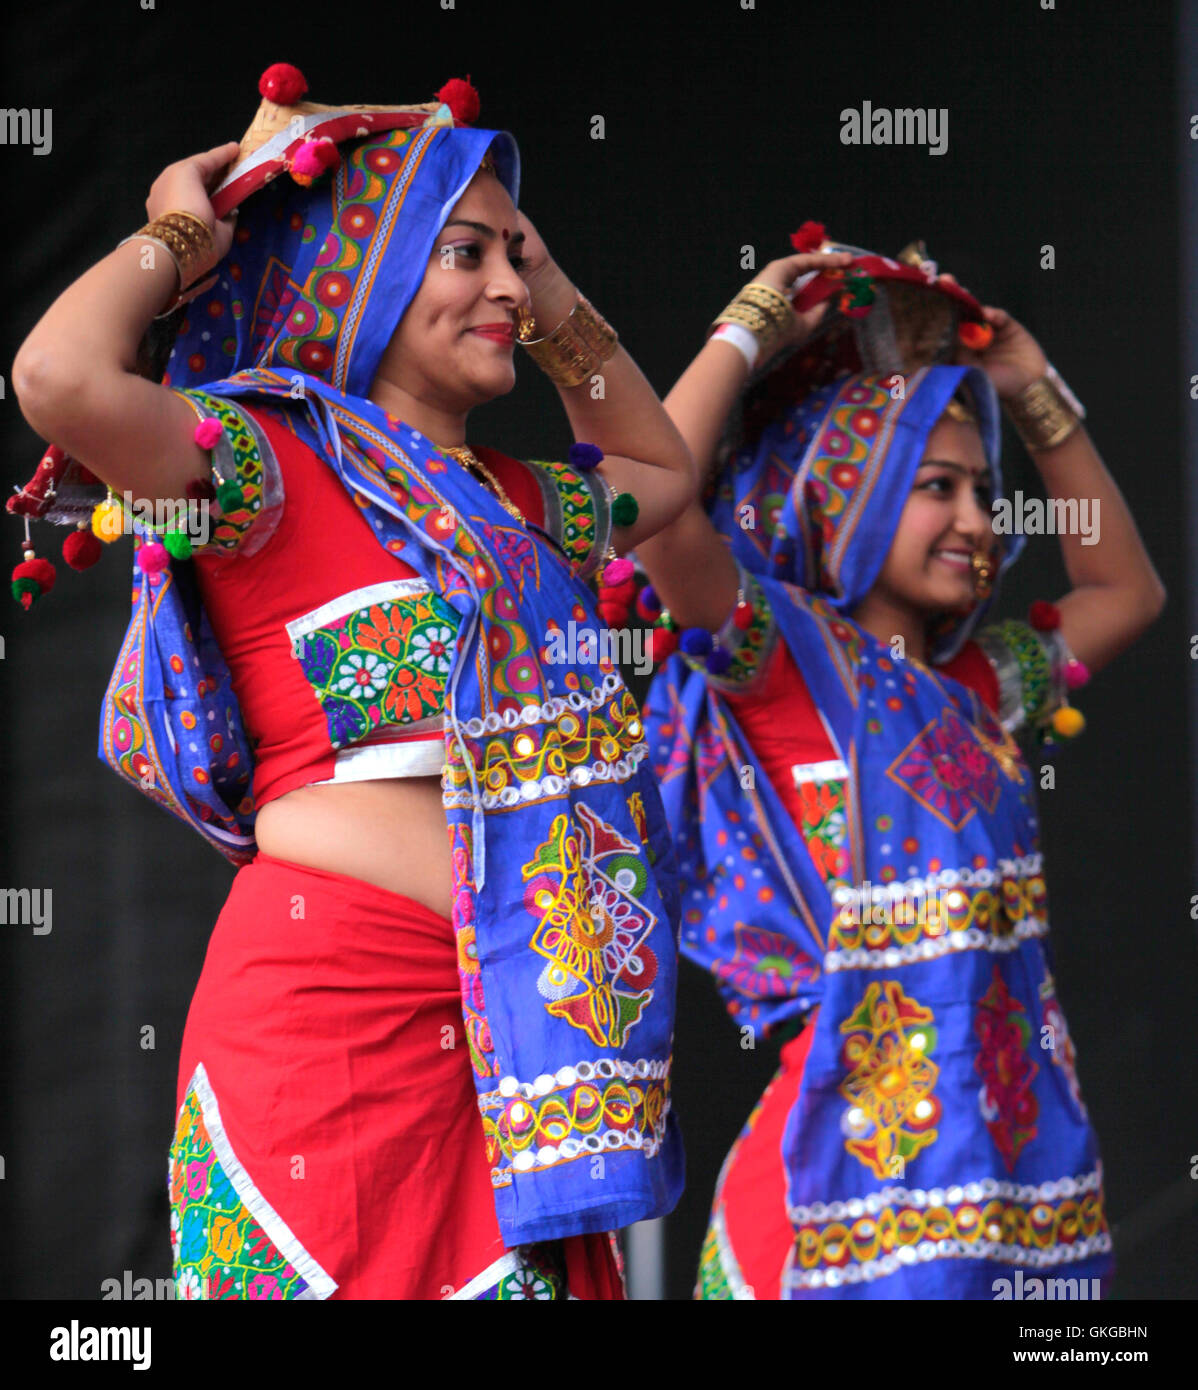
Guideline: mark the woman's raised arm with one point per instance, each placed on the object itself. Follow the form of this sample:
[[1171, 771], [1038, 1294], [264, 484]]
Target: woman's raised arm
[[688, 562], [75, 375], [1116, 590]]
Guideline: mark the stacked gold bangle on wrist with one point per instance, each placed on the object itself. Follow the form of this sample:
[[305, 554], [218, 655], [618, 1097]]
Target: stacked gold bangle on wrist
[[576, 348], [1045, 413], [189, 242], [763, 310]]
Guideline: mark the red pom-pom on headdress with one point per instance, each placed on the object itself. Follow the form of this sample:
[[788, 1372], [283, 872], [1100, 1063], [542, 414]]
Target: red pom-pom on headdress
[[809, 237], [977, 337], [283, 84], [462, 100]]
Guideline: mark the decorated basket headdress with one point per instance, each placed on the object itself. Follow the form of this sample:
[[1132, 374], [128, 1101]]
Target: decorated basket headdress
[[288, 136]]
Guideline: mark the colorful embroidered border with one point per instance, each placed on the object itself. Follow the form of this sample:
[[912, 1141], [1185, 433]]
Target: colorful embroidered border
[[248, 470], [541, 750], [584, 1111], [1034, 1232], [228, 1241], [577, 513], [750, 648], [901, 930], [866, 1239]]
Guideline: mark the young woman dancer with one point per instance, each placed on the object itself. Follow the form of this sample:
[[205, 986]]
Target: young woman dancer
[[368, 630], [856, 829]]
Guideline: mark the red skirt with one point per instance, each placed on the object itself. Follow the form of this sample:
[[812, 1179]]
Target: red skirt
[[329, 1143], [750, 1234]]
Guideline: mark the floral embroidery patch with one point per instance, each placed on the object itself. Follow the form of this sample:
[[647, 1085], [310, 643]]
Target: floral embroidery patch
[[1007, 1101], [947, 771], [890, 1079], [378, 657], [227, 1241], [584, 887]]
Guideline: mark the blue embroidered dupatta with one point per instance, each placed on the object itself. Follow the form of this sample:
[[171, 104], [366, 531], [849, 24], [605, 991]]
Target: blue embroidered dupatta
[[939, 1139], [565, 901]]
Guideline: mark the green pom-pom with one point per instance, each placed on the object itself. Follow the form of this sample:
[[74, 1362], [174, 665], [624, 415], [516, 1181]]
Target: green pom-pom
[[177, 543], [624, 509], [25, 585], [230, 497]]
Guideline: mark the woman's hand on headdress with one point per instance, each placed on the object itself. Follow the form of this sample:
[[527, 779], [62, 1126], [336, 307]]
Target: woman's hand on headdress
[[781, 274], [1013, 360], [553, 296], [185, 186]]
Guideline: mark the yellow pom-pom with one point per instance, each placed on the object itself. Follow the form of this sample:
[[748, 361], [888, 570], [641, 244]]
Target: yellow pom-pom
[[1068, 722], [108, 521]]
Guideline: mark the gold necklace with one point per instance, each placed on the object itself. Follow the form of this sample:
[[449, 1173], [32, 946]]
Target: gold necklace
[[466, 457]]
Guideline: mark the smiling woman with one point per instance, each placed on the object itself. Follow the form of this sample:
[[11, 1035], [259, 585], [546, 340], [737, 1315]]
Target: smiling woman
[[441, 990], [857, 827]]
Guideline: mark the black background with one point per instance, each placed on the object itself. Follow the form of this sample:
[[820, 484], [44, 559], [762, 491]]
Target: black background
[[722, 130]]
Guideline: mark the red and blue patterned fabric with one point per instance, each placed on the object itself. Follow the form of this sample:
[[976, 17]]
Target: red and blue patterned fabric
[[565, 903], [938, 1139]]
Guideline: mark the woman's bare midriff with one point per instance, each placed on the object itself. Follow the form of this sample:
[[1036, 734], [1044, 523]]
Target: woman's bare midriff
[[390, 832]]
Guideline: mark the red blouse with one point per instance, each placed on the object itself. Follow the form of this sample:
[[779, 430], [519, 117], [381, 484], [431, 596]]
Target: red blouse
[[339, 651]]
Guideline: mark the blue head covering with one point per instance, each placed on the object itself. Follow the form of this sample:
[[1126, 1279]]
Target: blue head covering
[[816, 500], [565, 904]]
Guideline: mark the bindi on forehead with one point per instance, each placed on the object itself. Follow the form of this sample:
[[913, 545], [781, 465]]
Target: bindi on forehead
[[506, 234]]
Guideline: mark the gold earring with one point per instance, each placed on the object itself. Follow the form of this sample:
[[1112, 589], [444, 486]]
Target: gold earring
[[983, 573], [526, 325]]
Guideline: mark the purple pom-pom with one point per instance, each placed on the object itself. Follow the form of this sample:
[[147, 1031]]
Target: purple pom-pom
[[718, 661], [696, 641], [584, 457]]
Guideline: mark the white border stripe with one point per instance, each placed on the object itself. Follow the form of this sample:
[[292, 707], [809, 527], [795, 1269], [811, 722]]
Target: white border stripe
[[357, 598], [320, 1283]]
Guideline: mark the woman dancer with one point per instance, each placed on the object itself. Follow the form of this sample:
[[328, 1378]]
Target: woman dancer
[[378, 601], [856, 828]]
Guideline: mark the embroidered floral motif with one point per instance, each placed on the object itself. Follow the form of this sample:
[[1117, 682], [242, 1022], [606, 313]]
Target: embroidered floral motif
[[765, 965], [824, 827], [386, 663], [890, 1079], [227, 1242], [1006, 1100], [947, 771], [584, 888]]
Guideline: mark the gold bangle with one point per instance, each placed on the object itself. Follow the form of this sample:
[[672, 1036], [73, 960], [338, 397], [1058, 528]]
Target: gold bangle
[[577, 347], [763, 310], [1042, 415], [594, 329], [189, 242]]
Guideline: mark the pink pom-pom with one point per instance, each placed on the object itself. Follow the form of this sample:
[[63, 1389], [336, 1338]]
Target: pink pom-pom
[[208, 431], [283, 84], [1077, 673], [153, 558], [315, 156], [618, 572], [462, 100]]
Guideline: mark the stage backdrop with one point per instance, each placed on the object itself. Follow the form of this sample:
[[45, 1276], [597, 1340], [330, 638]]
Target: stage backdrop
[[659, 141]]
